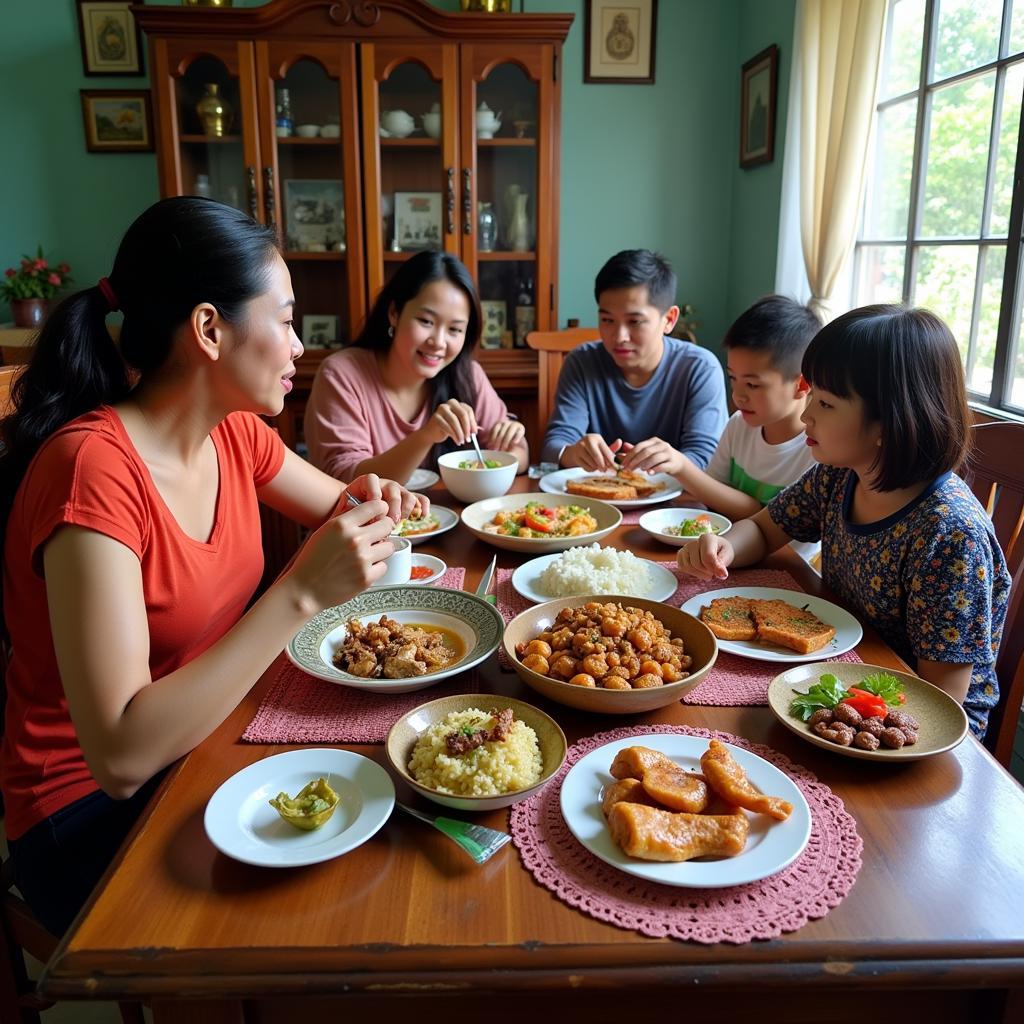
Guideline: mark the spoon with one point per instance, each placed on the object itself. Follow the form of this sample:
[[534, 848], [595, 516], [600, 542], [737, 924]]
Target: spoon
[[479, 454]]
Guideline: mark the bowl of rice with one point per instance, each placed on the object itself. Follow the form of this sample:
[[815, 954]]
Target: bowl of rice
[[463, 752], [699, 644]]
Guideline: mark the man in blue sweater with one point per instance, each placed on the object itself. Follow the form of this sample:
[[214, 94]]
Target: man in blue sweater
[[653, 398]]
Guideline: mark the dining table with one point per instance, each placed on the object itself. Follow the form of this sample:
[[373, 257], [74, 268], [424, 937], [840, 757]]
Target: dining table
[[407, 927]]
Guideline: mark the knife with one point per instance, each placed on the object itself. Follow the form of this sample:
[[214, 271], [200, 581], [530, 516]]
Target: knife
[[485, 582]]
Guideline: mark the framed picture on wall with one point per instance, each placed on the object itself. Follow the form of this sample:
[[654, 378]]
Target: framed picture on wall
[[319, 330], [619, 41], [418, 220], [110, 38], [117, 120], [757, 108]]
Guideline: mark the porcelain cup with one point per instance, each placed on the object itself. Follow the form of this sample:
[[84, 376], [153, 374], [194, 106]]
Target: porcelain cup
[[399, 565]]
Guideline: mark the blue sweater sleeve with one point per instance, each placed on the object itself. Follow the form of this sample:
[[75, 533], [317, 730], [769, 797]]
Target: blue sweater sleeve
[[704, 414], [570, 418]]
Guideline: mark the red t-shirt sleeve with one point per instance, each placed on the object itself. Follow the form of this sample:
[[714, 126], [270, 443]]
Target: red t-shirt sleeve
[[262, 441]]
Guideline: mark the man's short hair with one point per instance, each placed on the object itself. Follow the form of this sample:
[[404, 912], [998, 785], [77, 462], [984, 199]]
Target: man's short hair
[[633, 267]]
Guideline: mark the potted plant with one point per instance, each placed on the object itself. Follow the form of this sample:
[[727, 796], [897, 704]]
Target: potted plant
[[29, 288]]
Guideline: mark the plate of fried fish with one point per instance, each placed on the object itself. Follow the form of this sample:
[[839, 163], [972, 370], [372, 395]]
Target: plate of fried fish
[[624, 489], [685, 811], [772, 624]]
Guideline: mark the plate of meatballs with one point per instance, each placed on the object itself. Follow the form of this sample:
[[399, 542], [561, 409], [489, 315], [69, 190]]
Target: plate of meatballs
[[929, 722]]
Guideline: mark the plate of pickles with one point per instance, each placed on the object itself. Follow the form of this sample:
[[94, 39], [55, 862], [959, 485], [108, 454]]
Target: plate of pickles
[[300, 807]]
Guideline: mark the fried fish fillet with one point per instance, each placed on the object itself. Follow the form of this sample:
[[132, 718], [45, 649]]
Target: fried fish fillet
[[729, 618], [625, 791], [782, 623], [604, 488], [730, 782], [632, 762], [662, 779], [650, 833]]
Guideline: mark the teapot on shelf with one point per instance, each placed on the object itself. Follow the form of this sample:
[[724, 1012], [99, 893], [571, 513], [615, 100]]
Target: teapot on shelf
[[487, 122], [432, 121], [397, 123]]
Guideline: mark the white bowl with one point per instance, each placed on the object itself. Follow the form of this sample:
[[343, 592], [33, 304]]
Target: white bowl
[[307, 131], [470, 485], [655, 522], [331, 131]]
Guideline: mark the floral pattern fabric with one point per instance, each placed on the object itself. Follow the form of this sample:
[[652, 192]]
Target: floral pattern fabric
[[931, 579]]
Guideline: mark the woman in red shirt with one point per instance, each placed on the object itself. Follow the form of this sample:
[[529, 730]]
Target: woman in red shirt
[[132, 478]]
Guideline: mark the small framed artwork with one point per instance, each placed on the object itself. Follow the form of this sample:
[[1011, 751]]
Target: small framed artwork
[[757, 108], [495, 322], [319, 330], [418, 220], [619, 41], [110, 37], [117, 120], [314, 215]]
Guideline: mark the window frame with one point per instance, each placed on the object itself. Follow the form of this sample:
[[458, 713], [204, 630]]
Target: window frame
[[913, 242]]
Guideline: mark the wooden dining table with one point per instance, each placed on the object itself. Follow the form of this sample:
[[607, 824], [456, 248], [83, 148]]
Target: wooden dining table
[[407, 927]]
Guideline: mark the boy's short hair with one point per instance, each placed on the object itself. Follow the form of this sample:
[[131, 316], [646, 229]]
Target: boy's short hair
[[905, 366], [631, 267], [779, 326]]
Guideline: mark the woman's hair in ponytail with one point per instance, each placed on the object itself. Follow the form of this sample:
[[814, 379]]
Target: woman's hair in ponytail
[[180, 253], [456, 379]]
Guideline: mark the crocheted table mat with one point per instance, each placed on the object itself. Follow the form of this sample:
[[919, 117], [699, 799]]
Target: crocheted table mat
[[818, 880], [299, 708], [734, 681]]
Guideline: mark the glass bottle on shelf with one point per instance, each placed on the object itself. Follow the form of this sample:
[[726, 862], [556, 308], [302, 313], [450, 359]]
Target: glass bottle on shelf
[[526, 312], [201, 186], [487, 226], [284, 114]]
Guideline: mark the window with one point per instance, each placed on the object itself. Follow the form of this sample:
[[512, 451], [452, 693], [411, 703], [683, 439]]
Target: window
[[942, 222]]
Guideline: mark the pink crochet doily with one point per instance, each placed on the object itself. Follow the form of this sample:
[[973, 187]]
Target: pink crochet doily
[[301, 709], [734, 681], [818, 880]]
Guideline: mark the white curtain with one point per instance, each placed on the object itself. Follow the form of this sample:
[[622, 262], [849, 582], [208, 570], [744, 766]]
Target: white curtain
[[837, 53]]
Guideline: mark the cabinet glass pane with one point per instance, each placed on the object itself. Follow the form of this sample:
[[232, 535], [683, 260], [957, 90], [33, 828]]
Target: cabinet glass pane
[[209, 127], [413, 180], [507, 190]]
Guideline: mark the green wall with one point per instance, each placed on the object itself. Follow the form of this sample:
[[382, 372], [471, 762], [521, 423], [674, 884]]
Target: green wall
[[642, 166]]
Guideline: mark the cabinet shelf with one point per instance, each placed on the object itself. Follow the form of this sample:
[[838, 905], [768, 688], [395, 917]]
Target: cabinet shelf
[[503, 255], [210, 140], [502, 143], [414, 143], [299, 140]]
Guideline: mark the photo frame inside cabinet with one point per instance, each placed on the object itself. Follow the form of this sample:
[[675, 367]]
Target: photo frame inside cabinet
[[418, 220], [319, 330], [619, 41], [110, 38], [117, 120], [758, 87], [314, 215]]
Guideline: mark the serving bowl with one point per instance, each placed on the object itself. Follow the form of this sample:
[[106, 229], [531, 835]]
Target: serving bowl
[[408, 729], [698, 642], [477, 515], [654, 523], [476, 484], [307, 131]]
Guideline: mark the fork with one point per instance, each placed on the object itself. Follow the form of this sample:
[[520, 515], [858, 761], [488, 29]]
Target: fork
[[479, 842]]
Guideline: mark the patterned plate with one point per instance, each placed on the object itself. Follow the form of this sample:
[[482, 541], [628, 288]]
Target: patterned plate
[[476, 623]]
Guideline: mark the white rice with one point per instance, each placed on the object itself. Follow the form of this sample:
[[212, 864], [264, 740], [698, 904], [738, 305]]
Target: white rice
[[594, 570]]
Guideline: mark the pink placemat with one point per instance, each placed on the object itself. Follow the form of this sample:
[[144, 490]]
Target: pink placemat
[[301, 709], [734, 681], [818, 880]]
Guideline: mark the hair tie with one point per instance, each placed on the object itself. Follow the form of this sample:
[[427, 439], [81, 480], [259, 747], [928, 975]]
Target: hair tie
[[109, 294]]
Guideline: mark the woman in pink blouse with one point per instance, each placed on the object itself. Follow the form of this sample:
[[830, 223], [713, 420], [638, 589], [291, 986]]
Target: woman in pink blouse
[[408, 389]]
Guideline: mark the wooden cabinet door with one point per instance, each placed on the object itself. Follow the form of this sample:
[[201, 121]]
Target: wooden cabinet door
[[509, 115], [413, 188], [311, 180], [198, 152]]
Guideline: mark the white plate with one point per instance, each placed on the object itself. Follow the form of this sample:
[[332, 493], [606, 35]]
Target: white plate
[[421, 479], [526, 579], [437, 566], [554, 483], [771, 845], [240, 822], [446, 517], [655, 521], [848, 629]]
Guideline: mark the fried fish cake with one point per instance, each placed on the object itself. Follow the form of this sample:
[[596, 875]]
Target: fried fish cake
[[675, 788], [625, 791], [649, 833], [729, 781], [729, 618]]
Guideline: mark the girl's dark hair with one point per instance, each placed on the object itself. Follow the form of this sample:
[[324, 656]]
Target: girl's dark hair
[[181, 252], [905, 366], [456, 379]]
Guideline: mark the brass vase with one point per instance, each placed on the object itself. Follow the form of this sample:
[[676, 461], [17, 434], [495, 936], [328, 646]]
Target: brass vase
[[214, 111]]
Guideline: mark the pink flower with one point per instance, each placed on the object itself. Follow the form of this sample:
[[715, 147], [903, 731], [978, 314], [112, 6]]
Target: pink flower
[[54, 279], [63, 268], [10, 272], [40, 264], [25, 264]]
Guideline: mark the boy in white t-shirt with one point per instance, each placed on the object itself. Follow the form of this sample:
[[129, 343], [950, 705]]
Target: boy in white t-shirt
[[763, 448]]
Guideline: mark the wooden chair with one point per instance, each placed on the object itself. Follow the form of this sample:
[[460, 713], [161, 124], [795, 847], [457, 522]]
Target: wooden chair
[[551, 348], [995, 474]]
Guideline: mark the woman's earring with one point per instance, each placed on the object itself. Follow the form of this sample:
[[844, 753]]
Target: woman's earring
[[391, 330]]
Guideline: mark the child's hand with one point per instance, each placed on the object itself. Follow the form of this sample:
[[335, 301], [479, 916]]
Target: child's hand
[[654, 456], [591, 453], [707, 558], [504, 436]]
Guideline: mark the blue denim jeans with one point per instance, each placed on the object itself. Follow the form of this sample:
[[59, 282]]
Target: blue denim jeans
[[58, 861]]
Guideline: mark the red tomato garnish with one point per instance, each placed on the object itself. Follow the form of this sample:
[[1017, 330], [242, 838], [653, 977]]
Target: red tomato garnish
[[421, 572], [538, 522]]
